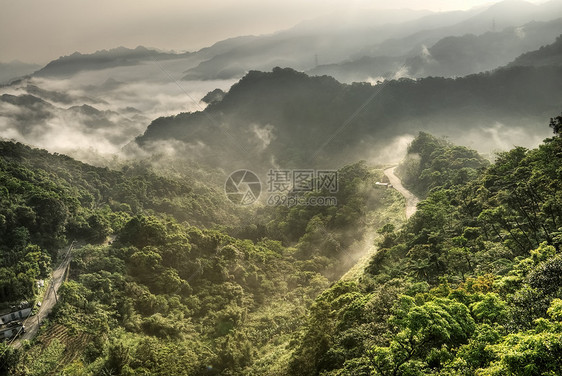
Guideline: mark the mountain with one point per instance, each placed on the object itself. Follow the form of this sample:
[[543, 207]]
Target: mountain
[[43, 117], [327, 39], [376, 42], [449, 51], [191, 284], [288, 118], [469, 285], [365, 68], [184, 271], [303, 47], [350, 42], [498, 16], [118, 57], [452, 44], [544, 56], [506, 14], [223, 244], [120, 80], [468, 54], [59, 96], [15, 69], [128, 87]]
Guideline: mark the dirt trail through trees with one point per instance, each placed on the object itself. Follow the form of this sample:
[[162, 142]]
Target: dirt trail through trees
[[411, 199]]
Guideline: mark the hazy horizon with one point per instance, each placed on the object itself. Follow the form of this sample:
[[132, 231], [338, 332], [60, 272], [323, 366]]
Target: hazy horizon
[[47, 30]]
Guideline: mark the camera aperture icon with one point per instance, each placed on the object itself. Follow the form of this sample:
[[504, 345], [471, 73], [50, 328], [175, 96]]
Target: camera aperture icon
[[243, 187]]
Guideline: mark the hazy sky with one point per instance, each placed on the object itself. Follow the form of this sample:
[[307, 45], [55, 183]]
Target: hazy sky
[[39, 30]]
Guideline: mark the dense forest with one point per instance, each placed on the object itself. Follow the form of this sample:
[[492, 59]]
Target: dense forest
[[48, 199], [185, 286], [336, 189], [469, 285]]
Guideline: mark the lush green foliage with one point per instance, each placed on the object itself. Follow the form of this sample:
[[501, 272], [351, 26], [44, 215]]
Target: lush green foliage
[[172, 297], [436, 163], [470, 285], [47, 199]]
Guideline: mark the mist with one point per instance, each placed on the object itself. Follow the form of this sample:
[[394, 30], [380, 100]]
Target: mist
[[170, 24], [92, 120], [123, 103], [238, 202]]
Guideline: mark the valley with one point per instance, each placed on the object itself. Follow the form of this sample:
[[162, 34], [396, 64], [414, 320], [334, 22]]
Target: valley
[[363, 191]]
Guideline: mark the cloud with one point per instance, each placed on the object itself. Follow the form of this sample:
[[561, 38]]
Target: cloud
[[520, 32], [375, 80], [391, 152], [501, 137], [97, 113], [263, 134], [60, 27], [401, 73], [426, 55]]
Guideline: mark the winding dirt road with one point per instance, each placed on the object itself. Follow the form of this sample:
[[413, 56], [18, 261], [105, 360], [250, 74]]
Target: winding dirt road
[[411, 199]]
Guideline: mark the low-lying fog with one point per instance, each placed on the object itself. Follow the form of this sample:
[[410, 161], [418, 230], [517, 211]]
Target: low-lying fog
[[94, 114]]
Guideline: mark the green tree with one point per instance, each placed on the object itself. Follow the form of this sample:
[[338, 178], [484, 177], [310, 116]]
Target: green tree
[[425, 334]]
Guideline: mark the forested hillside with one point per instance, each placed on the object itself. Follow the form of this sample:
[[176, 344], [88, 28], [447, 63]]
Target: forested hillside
[[437, 163], [296, 188], [47, 200], [279, 115], [185, 287], [470, 285]]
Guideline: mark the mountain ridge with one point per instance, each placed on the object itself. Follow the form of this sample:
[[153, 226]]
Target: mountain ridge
[[281, 102]]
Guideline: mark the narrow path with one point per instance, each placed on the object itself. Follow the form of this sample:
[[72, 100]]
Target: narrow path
[[32, 323], [411, 199]]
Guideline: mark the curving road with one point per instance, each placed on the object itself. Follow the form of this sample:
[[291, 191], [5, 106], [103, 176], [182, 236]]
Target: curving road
[[411, 199], [32, 323]]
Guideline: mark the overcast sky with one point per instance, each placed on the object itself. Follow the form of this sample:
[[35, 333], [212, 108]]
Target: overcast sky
[[39, 30]]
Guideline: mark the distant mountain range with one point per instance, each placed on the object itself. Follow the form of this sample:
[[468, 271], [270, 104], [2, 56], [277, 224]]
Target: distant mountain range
[[467, 54], [452, 56], [288, 118], [11, 71], [389, 44], [121, 56], [546, 55], [353, 47]]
